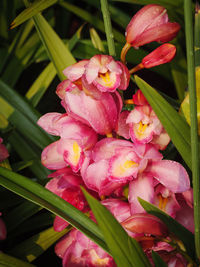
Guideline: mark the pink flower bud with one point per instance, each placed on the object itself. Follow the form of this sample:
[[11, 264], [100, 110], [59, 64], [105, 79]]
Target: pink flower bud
[[150, 24], [163, 54]]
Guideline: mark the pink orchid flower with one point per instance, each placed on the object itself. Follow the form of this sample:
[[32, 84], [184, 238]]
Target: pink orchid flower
[[67, 127], [76, 249], [62, 153], [161, 185], [3, 151], [102, 71], [113, 163], [90, 106], [66, 184], [145, 126]]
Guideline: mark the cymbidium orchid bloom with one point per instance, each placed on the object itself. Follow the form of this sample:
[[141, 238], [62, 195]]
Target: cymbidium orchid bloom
[[145, 126], [86, 103], [76, 138], [102, 71], [161, 55], [76, 249], [149, 24], [113, 163], [66, 184]]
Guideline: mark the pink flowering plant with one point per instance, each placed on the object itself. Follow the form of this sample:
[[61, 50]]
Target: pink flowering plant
[[109, 174]]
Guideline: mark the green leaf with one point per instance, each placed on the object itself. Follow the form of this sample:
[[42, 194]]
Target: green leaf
[[33, 247], [33, 9], [197, 35], [165, 3], [23, 116], [124, 249], [41, 84], [158, 260], [96, 40], [174, 227], [41, 196], [174, 124], [9, 261], [57, 51]]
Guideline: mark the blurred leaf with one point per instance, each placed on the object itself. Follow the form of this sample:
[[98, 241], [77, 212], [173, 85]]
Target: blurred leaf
[[24, 117], [26, 150], [124, 249], [18, 166], [41, 84], [20, 214], [185, 107], [9, 261], [33, 247], [11, 199], [33, 9], [86, 16], [174, 227], [165, 3], [57, 51], [43, 197], [96, 40], [158, 260], [174, 124], [179, 72]]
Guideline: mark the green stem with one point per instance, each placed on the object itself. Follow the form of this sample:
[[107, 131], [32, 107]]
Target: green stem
[[193, 117], [108, 28]]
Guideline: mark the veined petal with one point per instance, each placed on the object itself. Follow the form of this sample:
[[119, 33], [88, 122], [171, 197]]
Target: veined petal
[[75, 71], [122, 126], [141, 187], [171, 174], [51, 158], [144, 223], [59, 224]]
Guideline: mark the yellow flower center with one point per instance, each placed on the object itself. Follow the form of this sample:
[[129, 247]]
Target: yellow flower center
[[162, 202], [106, 78]]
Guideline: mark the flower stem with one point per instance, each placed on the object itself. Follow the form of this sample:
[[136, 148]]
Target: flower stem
[[108, 28], [193, 117], [136, 68]]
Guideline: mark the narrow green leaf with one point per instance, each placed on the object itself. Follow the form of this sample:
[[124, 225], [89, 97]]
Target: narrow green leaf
[[86, 16], [57, 51], [41, 84], [18, 166], [158, 260], [24, 117], [125, 250], [174, 124], [165, 3], [96, 40], [43, 197], [9, 261], [174, 227], [33, 247], [27, 151], [33, 9]]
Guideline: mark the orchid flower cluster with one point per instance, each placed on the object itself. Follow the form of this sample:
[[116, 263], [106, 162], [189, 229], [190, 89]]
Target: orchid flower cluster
[[114, 154]]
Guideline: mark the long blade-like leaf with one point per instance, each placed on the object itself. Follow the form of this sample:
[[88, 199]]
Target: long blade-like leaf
[[43, 197], [174, 124], [9, 261], [125, 250], [57, 51], [33, 9]]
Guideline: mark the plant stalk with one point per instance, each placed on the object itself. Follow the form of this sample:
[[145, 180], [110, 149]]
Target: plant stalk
[[189, 31], [108, 27]]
